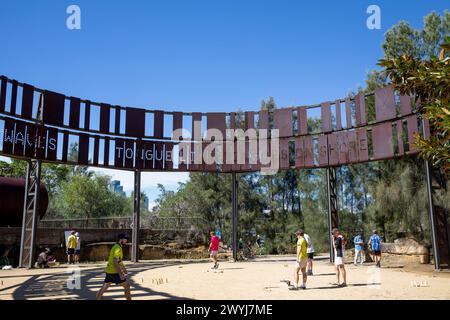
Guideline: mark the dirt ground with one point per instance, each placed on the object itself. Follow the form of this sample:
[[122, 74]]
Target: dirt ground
[[256, 279]]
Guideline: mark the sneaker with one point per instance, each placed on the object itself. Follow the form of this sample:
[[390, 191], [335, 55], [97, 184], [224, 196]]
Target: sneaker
[[303, 287], [216, 266], [294, 288], [342, 285], [310, 273]]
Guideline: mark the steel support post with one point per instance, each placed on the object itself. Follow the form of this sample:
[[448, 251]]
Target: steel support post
[[333, 221], [136, 217], [30, 214], [235, 218]]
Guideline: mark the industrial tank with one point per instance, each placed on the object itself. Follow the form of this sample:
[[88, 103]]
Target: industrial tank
[[12, 193]]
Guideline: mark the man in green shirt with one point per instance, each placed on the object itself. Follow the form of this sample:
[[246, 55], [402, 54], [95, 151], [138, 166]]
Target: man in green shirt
[[115, 269], [302, 261]]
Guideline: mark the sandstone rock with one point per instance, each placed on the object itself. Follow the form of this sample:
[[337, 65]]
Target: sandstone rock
[[406, 246]]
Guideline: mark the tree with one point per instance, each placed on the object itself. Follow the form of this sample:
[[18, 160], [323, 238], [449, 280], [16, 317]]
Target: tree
[[429, 80]]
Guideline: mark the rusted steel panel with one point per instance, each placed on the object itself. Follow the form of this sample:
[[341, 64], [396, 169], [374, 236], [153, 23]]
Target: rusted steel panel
[[87, 115], [135, 122], [323, 150], [282, 120], [30, 149], [158, 124], [382, 141], [299, 152], [333, 148], [154, 155], [196, 158], [3, 83], [284, 153], [399, 127], [385, 104], [209, 157], [348, 112], [53, 112], [337, 105], [249, 120], [196, 126], [309, 152], [9, 136], [183, 155], [302, 120], [325, 110], [360, 103], [96, 150], [177, 123], [40, 142], [65, 150], [83, 149], [123, 153], [15, 85], [363, 144], [412, 130], [232, 120], [405, 105], [52, 144], [105, 110], [117, 121], [352, 146], [426, 128], [74, 116], [27, 101], [216, 120], [106, 152], [263, 120]]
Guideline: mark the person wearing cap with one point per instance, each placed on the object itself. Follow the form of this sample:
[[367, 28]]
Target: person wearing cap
[[77, 248], [339, 249], [375, 244], [71, 246], [116, 273], [302, 261]]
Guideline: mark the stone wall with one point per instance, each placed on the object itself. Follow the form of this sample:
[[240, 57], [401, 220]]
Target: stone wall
[[96, 243]]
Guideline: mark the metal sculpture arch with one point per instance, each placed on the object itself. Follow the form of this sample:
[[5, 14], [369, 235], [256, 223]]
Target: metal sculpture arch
[[42, 125]]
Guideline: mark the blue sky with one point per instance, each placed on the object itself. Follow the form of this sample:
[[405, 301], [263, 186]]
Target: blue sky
[[197, 55]]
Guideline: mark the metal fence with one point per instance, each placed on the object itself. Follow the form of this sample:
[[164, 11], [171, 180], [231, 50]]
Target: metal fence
[[153, 223]]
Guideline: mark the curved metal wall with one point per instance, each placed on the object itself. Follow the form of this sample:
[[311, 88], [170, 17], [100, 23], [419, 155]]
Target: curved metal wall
[[50, 126]]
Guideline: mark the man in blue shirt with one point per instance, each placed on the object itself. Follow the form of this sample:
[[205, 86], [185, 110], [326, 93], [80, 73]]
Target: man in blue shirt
[[375, 244], [359, 248]]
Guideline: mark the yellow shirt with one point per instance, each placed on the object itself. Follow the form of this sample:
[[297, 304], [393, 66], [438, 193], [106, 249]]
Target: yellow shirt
[[116, 252], [303, 246], [72, 242]]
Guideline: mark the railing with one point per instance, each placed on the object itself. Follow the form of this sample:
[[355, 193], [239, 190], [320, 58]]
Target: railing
[[153, 223]]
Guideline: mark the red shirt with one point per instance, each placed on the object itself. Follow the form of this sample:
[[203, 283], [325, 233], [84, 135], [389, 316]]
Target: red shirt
[[215, 243]]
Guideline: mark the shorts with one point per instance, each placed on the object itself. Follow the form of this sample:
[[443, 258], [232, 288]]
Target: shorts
[[77, 252], [338, 261], [214, 253], [376, 253], [70, 251], [301, 264], [311, 255], [114, 278]]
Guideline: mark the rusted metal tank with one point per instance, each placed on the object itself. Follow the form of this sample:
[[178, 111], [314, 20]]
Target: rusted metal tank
[[12, 193]]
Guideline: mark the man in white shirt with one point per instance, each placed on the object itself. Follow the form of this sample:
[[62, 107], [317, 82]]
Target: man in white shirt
[[310, 252], [78, 248]]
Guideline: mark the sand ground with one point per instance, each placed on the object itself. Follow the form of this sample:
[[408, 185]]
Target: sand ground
[[256, 279]]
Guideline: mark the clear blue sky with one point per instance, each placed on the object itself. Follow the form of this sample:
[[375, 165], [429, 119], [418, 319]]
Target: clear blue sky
[[199, 55]]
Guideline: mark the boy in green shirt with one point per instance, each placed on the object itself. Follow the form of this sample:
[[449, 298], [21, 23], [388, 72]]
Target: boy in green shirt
[[115, 270], [302, 261]]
